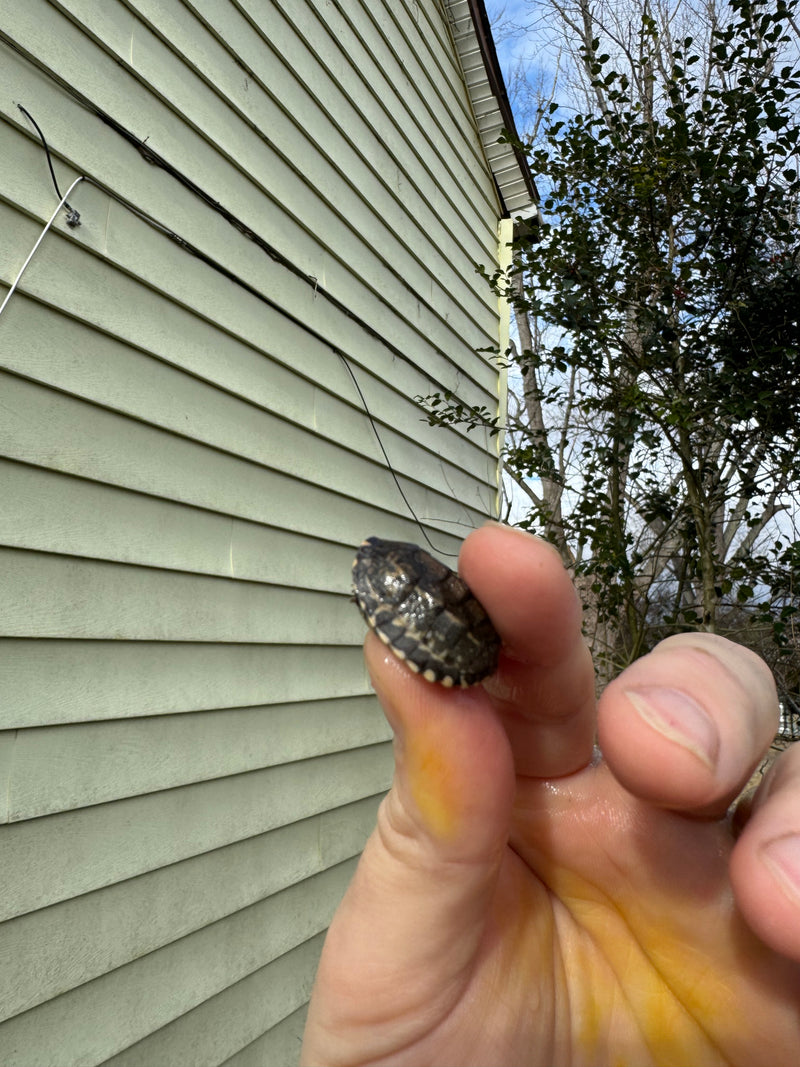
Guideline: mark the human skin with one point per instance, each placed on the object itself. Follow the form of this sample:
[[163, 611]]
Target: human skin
[[525, 901]]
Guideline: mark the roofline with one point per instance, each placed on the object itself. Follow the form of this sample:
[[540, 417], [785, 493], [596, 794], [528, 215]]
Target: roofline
[[498, 85], [487, 91]]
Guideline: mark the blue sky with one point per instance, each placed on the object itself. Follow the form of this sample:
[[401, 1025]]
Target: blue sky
[[523, 40]]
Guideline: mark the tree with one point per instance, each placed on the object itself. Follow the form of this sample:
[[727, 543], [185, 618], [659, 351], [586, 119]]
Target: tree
[[656, 429]]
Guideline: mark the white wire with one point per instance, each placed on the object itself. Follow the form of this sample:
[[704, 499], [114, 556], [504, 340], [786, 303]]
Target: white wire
[[39, 240]]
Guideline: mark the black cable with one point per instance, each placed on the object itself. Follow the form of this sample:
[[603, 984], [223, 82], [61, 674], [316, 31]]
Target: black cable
[[73, 217], [452, 555]]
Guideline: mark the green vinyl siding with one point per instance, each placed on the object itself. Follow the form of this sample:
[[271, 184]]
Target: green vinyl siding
[[62, 681], [265, 1003], [94, 1020], [58, 769], [274, 195], [280, 1044], [68, 943]]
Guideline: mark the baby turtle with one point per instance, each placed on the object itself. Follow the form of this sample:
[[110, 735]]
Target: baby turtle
[[424, 612]]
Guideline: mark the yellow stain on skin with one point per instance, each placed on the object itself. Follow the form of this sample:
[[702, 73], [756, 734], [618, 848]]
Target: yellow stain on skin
[[433, 786], [652, 999], [650, 1024]]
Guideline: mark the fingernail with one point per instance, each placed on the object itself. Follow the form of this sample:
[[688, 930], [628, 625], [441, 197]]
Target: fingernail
[[679, 718], [783, 856]]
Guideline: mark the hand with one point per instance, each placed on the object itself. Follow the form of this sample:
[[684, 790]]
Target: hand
[[523, 901]]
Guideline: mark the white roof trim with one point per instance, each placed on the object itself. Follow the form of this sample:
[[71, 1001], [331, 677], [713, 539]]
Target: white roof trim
[[487, 93]]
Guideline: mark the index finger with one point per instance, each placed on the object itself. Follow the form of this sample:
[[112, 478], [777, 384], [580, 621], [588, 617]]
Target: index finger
[[544, 686]]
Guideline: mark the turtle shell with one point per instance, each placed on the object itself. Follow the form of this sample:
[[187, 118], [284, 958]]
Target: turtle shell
[[424, 612]]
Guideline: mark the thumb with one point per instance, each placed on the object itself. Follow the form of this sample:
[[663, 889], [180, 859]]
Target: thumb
[[454, 778], [399, 950]]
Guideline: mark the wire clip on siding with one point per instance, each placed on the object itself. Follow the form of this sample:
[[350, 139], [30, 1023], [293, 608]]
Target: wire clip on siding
[[73, 216]]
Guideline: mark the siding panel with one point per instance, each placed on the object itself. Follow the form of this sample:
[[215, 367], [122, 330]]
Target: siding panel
[[138, 387], [85, 1025], [64, 681], [277, 1047], [52, 596], [53, 950], [224, 1024], [190, 355], [280, 196], [47, 511], [53, 768], [61, 433], [61, 856]]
